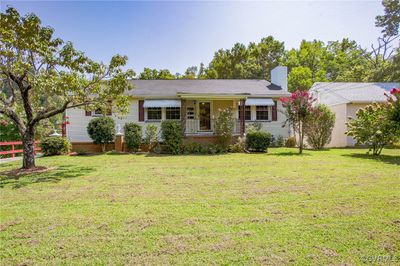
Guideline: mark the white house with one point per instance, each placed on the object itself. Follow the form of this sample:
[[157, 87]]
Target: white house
[[344, 99], [196, 103]]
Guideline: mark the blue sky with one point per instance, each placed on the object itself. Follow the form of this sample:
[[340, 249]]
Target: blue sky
[[175, 35]]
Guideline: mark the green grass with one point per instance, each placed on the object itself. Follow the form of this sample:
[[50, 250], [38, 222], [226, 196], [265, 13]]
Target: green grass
[[326, 207]]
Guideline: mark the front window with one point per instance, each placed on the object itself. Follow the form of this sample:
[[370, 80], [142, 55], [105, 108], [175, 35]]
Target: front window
[[247, 113], [172, 113], [154, 113], [262, 112]]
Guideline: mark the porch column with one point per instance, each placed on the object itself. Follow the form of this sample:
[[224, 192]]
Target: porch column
[[183, 116], [242, 117]]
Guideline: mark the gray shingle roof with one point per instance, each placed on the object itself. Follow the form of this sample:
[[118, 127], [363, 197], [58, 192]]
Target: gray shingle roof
[[170, 88], [351, 92]]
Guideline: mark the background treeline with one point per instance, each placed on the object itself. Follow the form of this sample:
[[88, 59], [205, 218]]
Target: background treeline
[[343, 60]]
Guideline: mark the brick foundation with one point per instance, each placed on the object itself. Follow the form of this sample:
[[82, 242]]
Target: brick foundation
[[90, 147], [205, 139], [120, 145]]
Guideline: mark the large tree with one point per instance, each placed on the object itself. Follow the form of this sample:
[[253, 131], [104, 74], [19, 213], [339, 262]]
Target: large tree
[[390, 21], [149, 73], [385, 53], [252, 62], [41, 76], [300, 78]]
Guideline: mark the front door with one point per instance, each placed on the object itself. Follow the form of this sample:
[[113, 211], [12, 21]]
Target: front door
[[205, 116]]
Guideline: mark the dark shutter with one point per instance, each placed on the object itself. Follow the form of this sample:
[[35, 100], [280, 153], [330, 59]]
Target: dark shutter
[[274, 112], [141, 111], [88, 113]]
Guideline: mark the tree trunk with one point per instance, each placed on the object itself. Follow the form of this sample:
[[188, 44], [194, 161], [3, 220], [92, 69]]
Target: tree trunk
[[301, 137], [28, 143]]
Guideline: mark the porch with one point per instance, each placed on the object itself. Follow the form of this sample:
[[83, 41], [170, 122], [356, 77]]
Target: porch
[[198, 114], [206, 127]]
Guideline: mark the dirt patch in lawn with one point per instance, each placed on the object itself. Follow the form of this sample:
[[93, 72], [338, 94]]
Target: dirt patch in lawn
[[4, 226], [17, 173]]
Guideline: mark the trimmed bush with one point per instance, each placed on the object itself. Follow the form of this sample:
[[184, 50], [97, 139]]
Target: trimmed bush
[[171, 133], [224, 127], [151, 136], [258, 140], [319, 126], [133, 136], [55, 146], [102, 131], [290, 142]]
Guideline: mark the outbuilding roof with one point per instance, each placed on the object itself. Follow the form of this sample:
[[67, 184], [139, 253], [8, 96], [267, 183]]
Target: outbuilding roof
[[332, 93], [173, 88]]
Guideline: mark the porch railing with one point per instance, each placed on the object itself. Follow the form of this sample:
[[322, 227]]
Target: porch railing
[[206, 127]]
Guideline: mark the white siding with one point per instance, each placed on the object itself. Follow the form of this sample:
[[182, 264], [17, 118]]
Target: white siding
[[77, 129], [275, 127], [338, 138]]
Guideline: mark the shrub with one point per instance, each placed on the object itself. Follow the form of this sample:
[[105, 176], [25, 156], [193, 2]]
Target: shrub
[[133, 136], [171, 133], [393, 105], [199, 148], [239, 146], [55, 146], [280, 141], [151, 136], [224, 127], [373, 127], [258, 140], [214, 149], [102, 131], [290, 142], [193, 147], [319, 126], [256, 126]]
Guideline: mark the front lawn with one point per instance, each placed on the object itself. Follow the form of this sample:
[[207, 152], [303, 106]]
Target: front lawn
[[337, 206]]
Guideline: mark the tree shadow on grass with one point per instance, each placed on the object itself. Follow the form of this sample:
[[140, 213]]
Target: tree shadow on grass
[[390, 159], [289, 153], [51, 176], [150, 154]]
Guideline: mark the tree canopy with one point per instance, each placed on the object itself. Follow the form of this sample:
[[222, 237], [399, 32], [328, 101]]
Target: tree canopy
[[41, 76], [313, 61]]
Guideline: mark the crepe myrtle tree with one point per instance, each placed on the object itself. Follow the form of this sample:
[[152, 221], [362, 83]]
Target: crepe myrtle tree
[[298, 107], [42, 76]]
